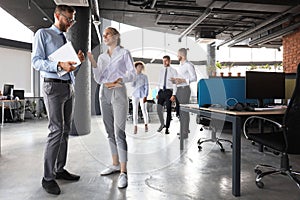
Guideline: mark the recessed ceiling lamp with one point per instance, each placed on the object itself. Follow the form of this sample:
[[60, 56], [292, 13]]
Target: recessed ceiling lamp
[[45, 19]]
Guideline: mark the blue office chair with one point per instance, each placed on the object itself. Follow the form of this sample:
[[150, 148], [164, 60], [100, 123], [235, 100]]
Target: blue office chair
[[282, 137]]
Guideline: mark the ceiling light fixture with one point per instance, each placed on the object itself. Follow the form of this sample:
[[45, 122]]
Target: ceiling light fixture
[[84, 3], [42, 11]]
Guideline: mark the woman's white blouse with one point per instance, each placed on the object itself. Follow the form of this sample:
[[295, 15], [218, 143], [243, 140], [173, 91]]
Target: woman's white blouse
[[118, 65]]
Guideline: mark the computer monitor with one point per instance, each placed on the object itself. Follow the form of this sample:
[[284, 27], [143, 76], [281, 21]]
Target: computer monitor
[[19, 94], [265, 85], [7, 89]]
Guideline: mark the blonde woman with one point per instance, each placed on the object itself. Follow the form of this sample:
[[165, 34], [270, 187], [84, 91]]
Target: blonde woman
[[139, 95], [113, 69]]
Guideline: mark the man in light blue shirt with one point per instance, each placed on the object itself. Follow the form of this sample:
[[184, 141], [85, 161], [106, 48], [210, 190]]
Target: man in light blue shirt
[[58, 95]]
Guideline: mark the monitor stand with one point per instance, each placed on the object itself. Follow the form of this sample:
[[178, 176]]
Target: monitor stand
[[260, 103]]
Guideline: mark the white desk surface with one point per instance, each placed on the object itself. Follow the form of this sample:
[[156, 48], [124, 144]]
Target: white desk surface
[[222, 110]]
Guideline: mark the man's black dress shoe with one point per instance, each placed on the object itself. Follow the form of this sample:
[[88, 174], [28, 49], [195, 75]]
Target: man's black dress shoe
[[167, 131], [66, 176], [51, 187]]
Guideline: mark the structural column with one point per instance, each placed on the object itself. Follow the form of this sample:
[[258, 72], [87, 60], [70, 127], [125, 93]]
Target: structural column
[[97, 49], [79, 35], [211, 55]]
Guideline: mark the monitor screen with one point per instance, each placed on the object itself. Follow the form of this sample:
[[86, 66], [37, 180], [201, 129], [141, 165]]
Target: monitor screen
[[7, 89], [19, 94], [265, 85]]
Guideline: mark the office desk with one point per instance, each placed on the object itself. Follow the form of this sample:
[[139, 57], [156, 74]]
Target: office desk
[[235, 118], [9, 104]]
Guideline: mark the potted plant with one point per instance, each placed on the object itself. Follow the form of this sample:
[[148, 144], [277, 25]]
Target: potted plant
[[211, 70], [229, 69], [266, 66], [252, 67], [277, 66], [219, 66]]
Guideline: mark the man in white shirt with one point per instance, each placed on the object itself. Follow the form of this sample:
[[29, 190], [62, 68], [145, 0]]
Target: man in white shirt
[[166, 93], [186, 74]]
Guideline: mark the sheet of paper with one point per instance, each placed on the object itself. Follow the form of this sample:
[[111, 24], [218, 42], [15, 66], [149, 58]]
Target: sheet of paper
[[63, 54]]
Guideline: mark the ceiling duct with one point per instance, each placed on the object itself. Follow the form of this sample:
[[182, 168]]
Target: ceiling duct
[[251, 30], [84, 3], [260, 31], [205, 36], [195, 24], [277, 34]]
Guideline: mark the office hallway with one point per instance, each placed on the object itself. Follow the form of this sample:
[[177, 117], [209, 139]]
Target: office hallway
[[157, 169]]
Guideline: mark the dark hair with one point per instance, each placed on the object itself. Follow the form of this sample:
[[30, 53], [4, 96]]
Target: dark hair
[[167, 57], [61, 8], [139, 63]]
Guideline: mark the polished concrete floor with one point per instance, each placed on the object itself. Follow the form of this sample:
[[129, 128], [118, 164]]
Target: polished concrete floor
[[157, 169]]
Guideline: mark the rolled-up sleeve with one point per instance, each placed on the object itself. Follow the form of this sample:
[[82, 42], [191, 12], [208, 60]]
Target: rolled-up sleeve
[[130, 70], [39, 59], [192, 74], [97, 71]]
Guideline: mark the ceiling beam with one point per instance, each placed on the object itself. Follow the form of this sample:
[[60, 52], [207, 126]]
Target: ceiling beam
[[194, 24], [277, 34], [264, 23], [260, 31], [243, 27], [182, 8], [270, 2]]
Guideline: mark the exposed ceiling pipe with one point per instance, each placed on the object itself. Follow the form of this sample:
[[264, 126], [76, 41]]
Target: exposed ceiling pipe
[[260, 31], [96, 17], [95, 11], [277, 34], [29, 4], [195, 23], [42, 11], [158, 18], [153, 4], [264, 23]]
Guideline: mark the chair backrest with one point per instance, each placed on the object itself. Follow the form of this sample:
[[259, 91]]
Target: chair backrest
[[292, 119]]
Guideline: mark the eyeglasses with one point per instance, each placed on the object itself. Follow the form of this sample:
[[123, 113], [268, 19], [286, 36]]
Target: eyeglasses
[[69, 20], [107, 34]]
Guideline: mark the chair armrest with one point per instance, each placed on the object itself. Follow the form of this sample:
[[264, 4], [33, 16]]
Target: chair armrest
[[261, 118]]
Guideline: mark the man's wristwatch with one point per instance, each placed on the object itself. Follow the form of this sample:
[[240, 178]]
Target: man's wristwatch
[[59, 68]]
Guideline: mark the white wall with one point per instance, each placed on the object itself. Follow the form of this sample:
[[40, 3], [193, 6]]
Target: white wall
[[15, 68]]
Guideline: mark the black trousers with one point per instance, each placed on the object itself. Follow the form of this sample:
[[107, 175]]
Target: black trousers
[[164, 98]]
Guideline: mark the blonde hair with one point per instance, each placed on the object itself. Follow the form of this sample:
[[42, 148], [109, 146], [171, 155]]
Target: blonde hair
[[183, 52], [115, 32]]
